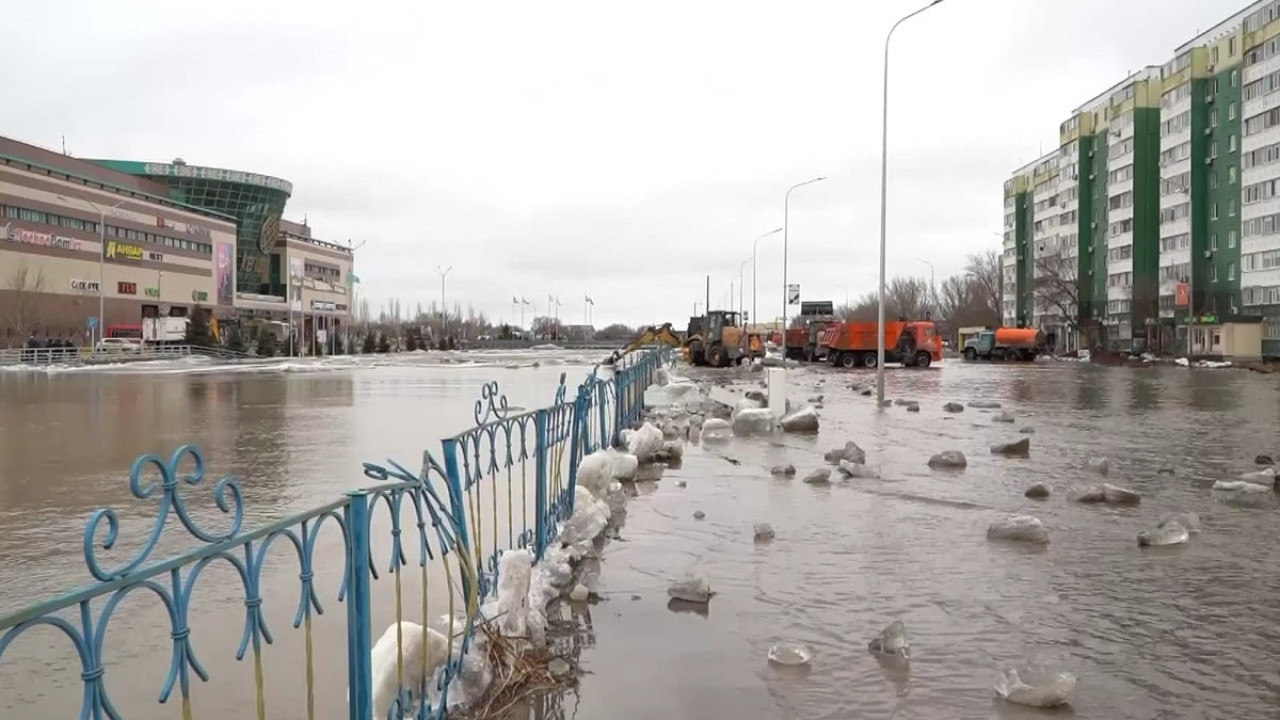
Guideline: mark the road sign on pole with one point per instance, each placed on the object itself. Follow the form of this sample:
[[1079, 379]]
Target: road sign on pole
[[93, 322], [793, 294]]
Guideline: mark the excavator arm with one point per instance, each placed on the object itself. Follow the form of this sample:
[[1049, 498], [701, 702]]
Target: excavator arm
[[661, 335]]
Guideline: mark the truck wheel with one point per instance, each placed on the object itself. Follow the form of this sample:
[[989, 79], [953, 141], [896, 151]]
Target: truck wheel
[[923, 359], [808, 354], [848, 360], [870, 360], [718, 357], [970, 354]]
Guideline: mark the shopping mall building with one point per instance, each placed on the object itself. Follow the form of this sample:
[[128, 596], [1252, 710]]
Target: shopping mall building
[[155, 239]]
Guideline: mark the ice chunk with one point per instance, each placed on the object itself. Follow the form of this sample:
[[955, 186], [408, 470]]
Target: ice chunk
[[1036, 687], [590, 516], [1019, 528], [579, 593], [595, 472], [623, 466], [891, 641], [763, 531], [1171, 533], [407, 645], [515, 570], [756, 421], [858, 470], [850, 452], [692, 588], [1261, 477], [820, 476], [716, 430], [643, 443], [1188, 520], [1100, 465], [790, 653], [949, 459], [804, 420]]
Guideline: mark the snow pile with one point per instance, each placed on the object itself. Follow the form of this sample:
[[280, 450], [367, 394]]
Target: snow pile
[[595, 472], [754, 421]]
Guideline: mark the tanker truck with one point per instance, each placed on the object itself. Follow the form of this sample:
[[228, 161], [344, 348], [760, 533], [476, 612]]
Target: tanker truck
[[1005, 343]]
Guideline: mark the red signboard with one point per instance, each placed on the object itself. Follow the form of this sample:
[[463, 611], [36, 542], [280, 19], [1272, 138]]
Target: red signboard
[[127, 288], [1182, 296]]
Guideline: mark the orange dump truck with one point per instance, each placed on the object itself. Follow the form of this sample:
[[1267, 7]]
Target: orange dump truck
[[1005, 343], [912, 343]]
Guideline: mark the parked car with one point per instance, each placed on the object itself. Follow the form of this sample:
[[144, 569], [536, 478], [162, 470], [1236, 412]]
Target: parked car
[[119, 345]]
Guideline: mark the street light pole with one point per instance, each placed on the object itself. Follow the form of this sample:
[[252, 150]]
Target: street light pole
[[742, 307], [102, 263], [754, 247], [884, 190], [444, 309], [933, 289], [786, 216]]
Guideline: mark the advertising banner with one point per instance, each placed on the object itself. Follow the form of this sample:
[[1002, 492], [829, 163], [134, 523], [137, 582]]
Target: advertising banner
[[226, 286]]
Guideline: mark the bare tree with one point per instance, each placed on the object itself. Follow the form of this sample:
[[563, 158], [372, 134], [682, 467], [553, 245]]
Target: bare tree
[[984, 268], [906, 298], [22, 309], [1057, 289]]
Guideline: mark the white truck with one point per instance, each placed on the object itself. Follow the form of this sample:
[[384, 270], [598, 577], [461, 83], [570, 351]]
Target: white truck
[[164, 330]]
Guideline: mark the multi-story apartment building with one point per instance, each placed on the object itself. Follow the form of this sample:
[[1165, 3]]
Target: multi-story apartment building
[[1167, 199]]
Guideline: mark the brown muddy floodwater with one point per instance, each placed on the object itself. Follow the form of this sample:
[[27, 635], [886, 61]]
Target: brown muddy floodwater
[[1185, 632]]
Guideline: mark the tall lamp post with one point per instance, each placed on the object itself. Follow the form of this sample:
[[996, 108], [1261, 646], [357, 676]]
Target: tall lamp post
[[444, 309], [102, 263], [786, 216], [741, 306], [754, 247], [884, 190], [933, 289]]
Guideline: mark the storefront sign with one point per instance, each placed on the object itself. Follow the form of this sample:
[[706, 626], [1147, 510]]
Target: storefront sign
[[155, 257], [124, 214], [85, 285], [153, 292], [323, 306], [199, 296], [340, 307], [208, 173], [39, 239], [121, 250], [127, 288], [196, 231], [1182, 296]]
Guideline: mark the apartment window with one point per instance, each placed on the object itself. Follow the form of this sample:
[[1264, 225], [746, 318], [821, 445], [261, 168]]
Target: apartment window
[[1213, 180], [1168, 215], [1213, 149], [1231, 271], [1213, 242], [1213, 118], [1175, 242], [1231, 111], [1258, 192], [1213, 273], [1265, 225], [1231, 174], [1235, 78], [1231, 238], [1123, 200], [1231, 207], [1213, 211], [1121, 174], [1231, 142]]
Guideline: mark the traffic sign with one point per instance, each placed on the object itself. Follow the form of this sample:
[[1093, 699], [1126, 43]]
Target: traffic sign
[[93, 322], [793, 294]]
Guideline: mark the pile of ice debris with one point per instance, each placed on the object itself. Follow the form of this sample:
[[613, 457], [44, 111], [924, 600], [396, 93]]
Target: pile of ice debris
[[517, 606], [684, 409]]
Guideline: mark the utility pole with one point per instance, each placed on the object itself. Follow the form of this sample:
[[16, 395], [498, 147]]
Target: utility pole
[[444, 309]]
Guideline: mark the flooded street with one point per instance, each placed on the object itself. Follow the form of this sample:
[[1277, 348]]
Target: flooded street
[[1185, 632]]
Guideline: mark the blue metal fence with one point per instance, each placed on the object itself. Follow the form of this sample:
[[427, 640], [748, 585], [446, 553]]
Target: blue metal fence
[[505, 483]]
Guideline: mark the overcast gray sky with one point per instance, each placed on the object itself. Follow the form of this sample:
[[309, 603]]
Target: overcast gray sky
[[618, 150]]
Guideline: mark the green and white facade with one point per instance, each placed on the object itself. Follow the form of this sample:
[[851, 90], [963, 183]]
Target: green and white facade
[[1165, 190]]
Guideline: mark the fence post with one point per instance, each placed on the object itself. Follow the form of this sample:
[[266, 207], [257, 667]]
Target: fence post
[[577, 437], [602, 405], [458, 508], [359, 634], [540, 483]]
